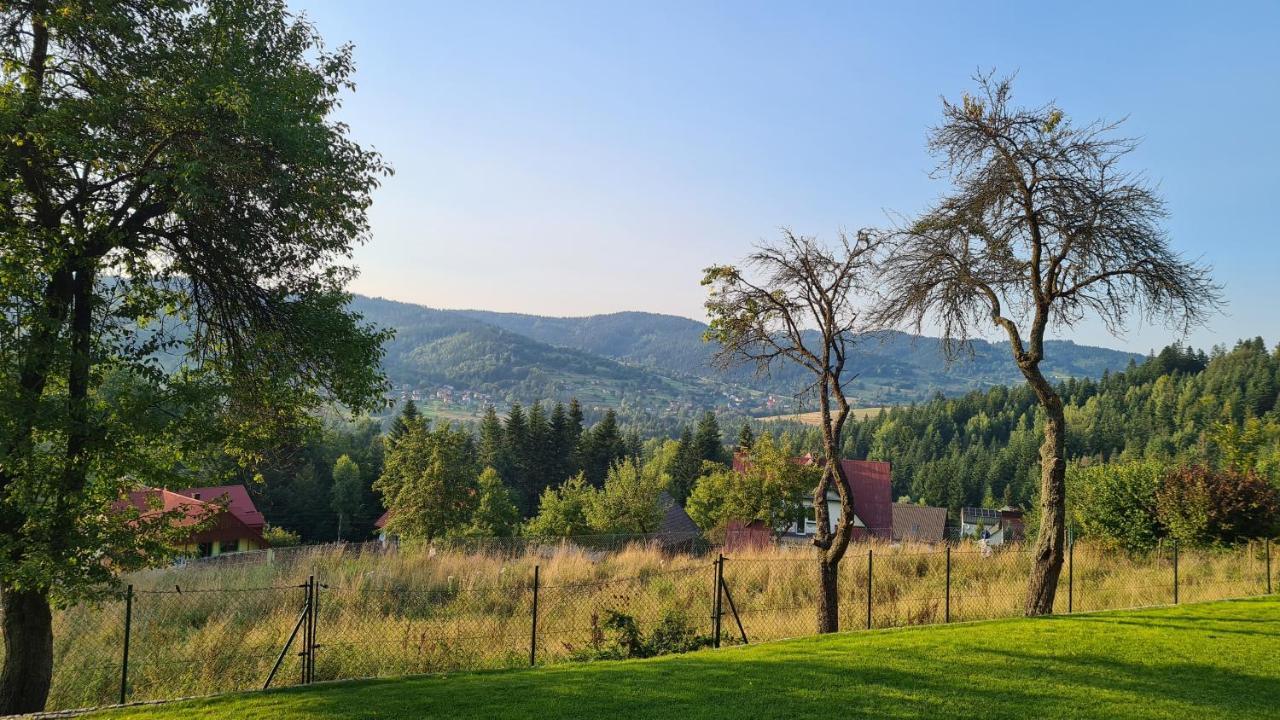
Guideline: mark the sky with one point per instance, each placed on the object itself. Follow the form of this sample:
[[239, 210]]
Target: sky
[[580, 158]]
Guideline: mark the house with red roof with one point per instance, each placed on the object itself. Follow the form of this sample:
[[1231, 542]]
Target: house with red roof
[[871, 482], [236, 527]]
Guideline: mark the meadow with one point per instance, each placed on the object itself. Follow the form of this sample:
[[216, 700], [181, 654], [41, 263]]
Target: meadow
[[1210, 660], [219, 627]]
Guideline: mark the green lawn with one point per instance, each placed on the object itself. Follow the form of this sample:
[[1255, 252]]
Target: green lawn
[[1213, 660]]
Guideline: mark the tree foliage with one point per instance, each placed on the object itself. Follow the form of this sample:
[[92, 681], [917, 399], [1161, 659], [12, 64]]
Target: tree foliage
[[796, 303], [770, 488], [1043, 227], [429, 482], [178, 207]]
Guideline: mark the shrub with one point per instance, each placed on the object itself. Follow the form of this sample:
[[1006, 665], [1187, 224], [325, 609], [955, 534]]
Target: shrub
[[672, 634], [1117, 503], [279, 537], [1201, 505]]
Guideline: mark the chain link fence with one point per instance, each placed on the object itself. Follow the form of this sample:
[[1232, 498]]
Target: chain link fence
[[348, 622]]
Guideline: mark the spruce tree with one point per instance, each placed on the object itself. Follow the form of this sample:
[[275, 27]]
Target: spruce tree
[[538, 459], [601, 448], [686, 466], [407, 418], [492, 447], [708, 440], [746, 437], [516, 437]]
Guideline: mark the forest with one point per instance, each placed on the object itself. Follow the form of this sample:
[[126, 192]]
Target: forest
[[1179, 406]]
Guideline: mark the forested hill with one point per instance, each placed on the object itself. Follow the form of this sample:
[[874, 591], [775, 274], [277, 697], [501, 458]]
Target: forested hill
[[1180, 406], [651, 364]]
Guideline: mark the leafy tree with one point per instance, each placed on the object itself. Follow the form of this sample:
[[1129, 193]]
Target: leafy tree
[[347, 493], [1043, 229], [1199, 505], [178, 203], [562, 511], [629, 501], [765, 317], [1117, 502], [429, 482], [495, 514], [770, 488]]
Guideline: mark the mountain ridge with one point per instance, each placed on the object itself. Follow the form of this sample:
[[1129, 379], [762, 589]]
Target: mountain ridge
[[652, 363]]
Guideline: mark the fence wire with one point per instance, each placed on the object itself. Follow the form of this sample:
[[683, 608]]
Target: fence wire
[[186, 641]]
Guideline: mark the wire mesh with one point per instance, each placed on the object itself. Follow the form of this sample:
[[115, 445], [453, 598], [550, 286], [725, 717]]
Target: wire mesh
[[380, 631], [201, 642], [668, 606], [227, 635], [88, 641]]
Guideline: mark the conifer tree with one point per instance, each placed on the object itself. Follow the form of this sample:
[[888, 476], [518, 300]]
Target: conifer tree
[[708, 440], [407, 417]]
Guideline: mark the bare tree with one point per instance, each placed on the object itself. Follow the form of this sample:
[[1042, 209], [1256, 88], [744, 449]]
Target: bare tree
[[1043, 228], [793, 302]]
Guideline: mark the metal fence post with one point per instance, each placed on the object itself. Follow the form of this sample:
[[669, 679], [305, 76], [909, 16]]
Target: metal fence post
[[128, 629], [1175, 572], [1071, 575], [533, 634], [1267, 545], [869, 587], [716, 605], [316, 586], [947, 616], [305, 655]]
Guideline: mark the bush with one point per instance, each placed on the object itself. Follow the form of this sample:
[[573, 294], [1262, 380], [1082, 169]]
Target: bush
[[1117, 503], [1199, 505], [673, 634], [278, 537]]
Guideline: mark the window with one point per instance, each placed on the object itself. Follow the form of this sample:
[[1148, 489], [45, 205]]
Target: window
[[229, 546], [204, 549]]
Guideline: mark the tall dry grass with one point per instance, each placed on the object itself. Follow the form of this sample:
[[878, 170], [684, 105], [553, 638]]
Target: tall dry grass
[[220, 627]]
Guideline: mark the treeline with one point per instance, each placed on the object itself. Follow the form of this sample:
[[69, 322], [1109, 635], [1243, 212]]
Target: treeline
[[1181, 407], [536, 472]]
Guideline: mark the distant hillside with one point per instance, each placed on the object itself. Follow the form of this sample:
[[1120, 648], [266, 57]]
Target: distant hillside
[[648, 363]]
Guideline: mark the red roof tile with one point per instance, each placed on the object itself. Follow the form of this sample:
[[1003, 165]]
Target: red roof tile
[[237, 499]]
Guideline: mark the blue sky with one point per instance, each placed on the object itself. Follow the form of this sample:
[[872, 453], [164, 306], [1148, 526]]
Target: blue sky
[[575, 158]]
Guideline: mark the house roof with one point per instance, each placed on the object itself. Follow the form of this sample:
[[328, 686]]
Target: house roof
[[675, 521], [381, 522], [919, 522], [237, 499], [193, 512], [871, 482]]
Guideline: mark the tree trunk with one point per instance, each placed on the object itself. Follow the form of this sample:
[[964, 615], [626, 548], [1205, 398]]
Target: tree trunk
[[828, 597], [28, 657], [1047, 561]]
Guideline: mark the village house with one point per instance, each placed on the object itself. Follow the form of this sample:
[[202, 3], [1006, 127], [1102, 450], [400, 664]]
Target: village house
[[919, 523], [997, 527], [870, 481], [237, 527]]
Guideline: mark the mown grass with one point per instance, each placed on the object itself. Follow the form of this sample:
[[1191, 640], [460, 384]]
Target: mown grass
[[1212, 660], [216, 629]]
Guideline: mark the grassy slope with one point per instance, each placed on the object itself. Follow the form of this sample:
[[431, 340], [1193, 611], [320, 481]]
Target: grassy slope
[[1213, 660]]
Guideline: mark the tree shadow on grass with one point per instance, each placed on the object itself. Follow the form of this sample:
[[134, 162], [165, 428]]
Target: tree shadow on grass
[[900, 683]]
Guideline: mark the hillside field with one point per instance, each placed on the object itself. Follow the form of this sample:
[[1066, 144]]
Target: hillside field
[[213, 628], [814, 418], [1212, 660]]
